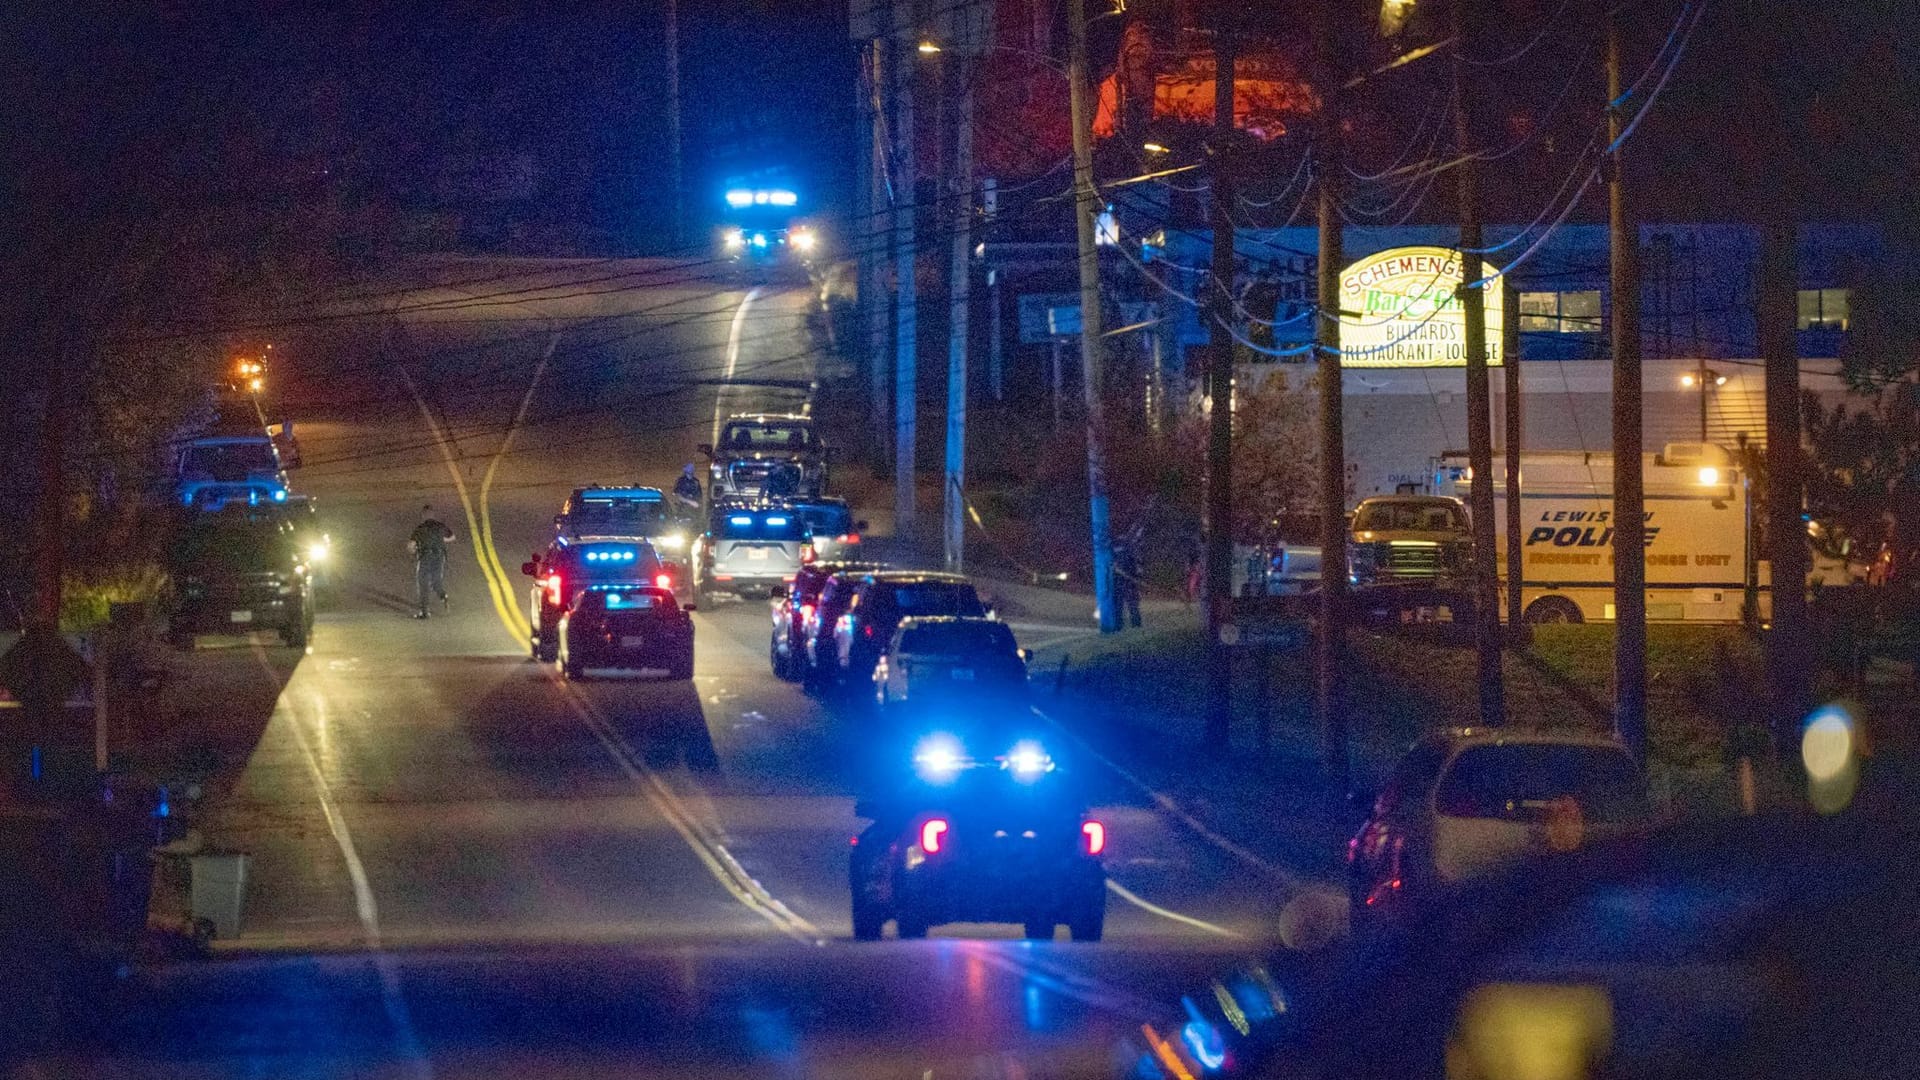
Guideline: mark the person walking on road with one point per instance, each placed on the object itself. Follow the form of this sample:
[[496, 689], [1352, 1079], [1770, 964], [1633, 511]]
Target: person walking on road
[[429, 546]]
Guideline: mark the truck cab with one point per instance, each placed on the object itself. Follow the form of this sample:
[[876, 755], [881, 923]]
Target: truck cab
[[215, 471], [767, 456]]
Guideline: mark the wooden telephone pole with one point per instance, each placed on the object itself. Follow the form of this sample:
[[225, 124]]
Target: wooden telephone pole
[[1629, 492]]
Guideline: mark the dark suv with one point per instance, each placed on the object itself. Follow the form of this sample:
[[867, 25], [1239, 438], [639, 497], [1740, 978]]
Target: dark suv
[[795, 611], [627, 627], [873, 611], [236, 571], [566, 568]]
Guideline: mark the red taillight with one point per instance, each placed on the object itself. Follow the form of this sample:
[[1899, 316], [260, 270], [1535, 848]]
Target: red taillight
[[1096, 836], [933, 835], [553, 590], [806, 553], [867, 630], [850, 538], [806, 612], [664, 581]]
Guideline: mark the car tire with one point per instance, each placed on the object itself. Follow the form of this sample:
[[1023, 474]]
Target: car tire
[[910, 925], [869, 919], [1038, 929], [1552, 609], [1089, 920]]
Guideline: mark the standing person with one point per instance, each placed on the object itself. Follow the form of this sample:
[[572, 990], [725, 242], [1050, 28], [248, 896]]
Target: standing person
[[1126, 577], [429, 546], [687, 488]]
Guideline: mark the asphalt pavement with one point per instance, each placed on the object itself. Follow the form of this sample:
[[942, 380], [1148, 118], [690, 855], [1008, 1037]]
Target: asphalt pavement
[[462, 865]]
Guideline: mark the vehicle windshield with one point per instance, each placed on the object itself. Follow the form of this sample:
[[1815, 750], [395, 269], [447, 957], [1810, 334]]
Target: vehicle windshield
[[1409, 517], [1524, 782], [228, 461], [237, 547], [768, 435], [966, 638], [618, 517], [825, 519]]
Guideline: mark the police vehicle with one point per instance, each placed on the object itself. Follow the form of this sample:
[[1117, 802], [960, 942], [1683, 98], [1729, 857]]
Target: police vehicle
[[985, 827], [762, 232], [752, 550], [628, 627], [567, 567], [624, 512], [767, 456], [236, 571]]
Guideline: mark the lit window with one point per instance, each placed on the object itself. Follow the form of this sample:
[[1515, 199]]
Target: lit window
[[1560, 312], [1824, 309]]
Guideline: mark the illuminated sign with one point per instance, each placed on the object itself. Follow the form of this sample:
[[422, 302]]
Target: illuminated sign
[[1401, 308]]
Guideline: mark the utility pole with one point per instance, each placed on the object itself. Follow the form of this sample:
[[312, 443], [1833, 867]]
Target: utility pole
[[1786, 642], [1473, 302], [1510, 350], [959, 280], [1330, 644], [1220, 391], [873, 250], [1629, 494], [1091, 341], [675, 169], [906, 344]]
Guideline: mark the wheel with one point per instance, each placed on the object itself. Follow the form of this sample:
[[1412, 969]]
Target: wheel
[[782, 666], [868, 919], [1089, 920], [1552, 609], [1039, 929], [910, 925]]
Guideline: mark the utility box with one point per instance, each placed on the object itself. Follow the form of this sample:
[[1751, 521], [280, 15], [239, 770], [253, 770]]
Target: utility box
[[219, 891]]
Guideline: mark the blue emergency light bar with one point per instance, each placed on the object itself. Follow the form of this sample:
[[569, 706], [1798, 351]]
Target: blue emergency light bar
[[744, 197], [621, 495], [611, 554]]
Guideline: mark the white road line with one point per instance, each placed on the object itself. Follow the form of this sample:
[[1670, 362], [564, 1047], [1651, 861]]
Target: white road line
[[733, 360], [364, 904], [1143, 904]]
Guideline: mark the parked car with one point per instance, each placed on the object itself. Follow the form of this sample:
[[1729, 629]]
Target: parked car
[[1406, 553], [877, 604], [1463, 801], [793, 613], [767, 455], [837, 534], [238, 571], [568, 567], [942, 657]]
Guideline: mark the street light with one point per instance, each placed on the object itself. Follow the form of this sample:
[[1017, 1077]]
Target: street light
[[1703, 378], [1155, 148], [928, 48]]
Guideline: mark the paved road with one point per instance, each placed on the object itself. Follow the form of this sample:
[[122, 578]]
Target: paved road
[[464, 866]]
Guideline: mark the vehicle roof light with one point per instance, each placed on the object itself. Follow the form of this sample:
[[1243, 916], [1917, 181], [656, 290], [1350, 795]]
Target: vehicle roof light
[[740, 519], [776, 521], [782, 197], [739, 197]]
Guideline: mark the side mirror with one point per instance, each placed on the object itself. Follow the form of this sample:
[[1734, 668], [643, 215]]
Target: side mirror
[[690, 606], [705, 448], [1026, 656], [530, 568], [860, 526], [777, 592]]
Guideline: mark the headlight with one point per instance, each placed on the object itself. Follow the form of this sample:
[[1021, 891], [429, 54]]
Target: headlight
[[1028, 761], [938, 758], [734, 240], [317, 551], [671, 541], [804, 241]]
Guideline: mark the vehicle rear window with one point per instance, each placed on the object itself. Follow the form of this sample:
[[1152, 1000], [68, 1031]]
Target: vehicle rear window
[[621, 517], [989, 637], [1424, 517], [761, 526], [827, 520], [937, 598], [617, 600], [1521, 782]]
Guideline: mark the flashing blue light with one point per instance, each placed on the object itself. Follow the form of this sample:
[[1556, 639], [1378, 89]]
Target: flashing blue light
[[280, 496], [781, 197], [938, 758], [253, 498], [740, 519], [186, 498], [1028, 761], [759, 240], [739, 197], [776, 521], [1203, 1039], [613, 599], [607, 495]]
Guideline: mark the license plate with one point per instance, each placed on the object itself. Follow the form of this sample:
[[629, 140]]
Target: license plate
[[962, 674], [633, 641], [757, 553], [240, 616]]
